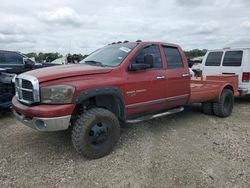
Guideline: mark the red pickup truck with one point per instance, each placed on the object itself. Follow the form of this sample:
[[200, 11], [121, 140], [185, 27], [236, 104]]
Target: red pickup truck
[[123, 82]]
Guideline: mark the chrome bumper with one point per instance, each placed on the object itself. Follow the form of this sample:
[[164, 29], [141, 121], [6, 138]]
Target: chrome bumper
[[45, 124]]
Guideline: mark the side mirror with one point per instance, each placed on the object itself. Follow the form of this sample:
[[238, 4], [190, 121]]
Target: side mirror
[[27, 63], [146, 64], [138, 67]]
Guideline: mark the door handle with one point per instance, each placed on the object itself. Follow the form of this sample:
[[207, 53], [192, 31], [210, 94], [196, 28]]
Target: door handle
[[160, 77], [186, 75]]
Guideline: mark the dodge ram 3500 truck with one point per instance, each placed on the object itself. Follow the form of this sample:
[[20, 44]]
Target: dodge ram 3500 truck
[[123, 82]]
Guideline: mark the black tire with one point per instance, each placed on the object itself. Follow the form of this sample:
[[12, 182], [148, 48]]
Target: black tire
[[224, 107], [207, 108], [95, 133]]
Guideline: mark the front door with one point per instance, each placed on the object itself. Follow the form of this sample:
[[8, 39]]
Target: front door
[[144, 90]]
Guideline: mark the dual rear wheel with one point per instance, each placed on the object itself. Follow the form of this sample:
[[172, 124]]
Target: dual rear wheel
[[223, 107]]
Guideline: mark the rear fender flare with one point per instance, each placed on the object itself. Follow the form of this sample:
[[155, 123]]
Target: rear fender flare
[[225, 86]]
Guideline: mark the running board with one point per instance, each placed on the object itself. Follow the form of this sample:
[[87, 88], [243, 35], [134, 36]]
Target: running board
[[148, 117]]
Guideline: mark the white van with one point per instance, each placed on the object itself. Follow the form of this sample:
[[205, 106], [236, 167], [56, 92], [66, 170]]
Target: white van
[[229, 61]]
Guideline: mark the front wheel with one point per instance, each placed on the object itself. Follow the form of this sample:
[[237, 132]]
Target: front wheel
[[224, 107], [95, 133]]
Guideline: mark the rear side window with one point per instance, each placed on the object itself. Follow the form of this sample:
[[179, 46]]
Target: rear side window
[[233, 58], [214, 59], [173, 57], [13, 58]]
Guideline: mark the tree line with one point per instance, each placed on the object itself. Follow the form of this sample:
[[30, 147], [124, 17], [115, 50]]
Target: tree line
[[49, 57], [195, 53], [71, 58]]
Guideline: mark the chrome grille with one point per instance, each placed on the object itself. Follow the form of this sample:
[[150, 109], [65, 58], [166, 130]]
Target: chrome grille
[[27, 84], [27, 89], [28, 96]]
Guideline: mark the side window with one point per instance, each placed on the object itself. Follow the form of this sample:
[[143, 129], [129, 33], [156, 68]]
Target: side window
[[173, 57], [233, 58], [214, 59], [153, 50], [13, 58], [2, 58]]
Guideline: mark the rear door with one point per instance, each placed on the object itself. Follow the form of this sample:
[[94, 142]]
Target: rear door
[[177, 86], [211, 64]]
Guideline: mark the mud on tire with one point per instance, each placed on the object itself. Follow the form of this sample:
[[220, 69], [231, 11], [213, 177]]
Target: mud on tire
[[95, 133]]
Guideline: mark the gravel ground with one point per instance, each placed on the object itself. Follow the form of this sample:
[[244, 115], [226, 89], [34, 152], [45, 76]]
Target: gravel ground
[[188, 149]]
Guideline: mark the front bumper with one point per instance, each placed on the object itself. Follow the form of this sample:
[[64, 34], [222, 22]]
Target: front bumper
[[44, 124], [43, 117]]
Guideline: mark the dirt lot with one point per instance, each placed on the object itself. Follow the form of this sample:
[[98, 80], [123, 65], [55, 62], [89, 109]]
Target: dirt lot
[[183, 150]]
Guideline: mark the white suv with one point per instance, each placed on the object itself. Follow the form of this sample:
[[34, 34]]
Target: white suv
[[229, 61]]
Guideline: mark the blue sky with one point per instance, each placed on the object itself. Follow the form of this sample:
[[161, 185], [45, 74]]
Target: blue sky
[[81, 26]]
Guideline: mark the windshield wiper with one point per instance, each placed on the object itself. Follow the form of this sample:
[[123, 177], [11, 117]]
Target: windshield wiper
[[97, 63]]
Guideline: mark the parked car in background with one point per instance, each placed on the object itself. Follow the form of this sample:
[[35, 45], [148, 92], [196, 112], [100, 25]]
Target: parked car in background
[[191, 72], [11, 64], [7, 89], [17, 63], [195, 60], [229, 61]]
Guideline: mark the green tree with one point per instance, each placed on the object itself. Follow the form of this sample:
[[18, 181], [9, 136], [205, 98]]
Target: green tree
[[75, 58], [49, 57], [195, 53], [44, 57]]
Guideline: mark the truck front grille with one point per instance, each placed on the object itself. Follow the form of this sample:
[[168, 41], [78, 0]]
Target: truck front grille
[[28, 96], [27, 89], [27, 84]]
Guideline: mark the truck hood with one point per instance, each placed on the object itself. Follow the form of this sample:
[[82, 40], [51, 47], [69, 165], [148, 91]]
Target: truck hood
[[64, 71]]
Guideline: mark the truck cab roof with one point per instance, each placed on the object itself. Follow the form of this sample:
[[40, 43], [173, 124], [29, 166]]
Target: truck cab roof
[[149, 43]]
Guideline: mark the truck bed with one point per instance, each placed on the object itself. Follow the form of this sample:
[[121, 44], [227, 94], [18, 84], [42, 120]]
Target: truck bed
[[209, 88]]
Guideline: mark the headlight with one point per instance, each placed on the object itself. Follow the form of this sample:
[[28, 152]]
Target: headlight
[[57, 94]]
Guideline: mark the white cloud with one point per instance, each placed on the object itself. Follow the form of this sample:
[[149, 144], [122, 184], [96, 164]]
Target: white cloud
[[246, 24], [190, 3], [7, 39], [239, 42], [61, 15], [208, 28], [12, 24], [77, 26]]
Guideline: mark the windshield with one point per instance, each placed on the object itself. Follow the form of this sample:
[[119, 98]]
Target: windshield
[[110, 56]]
